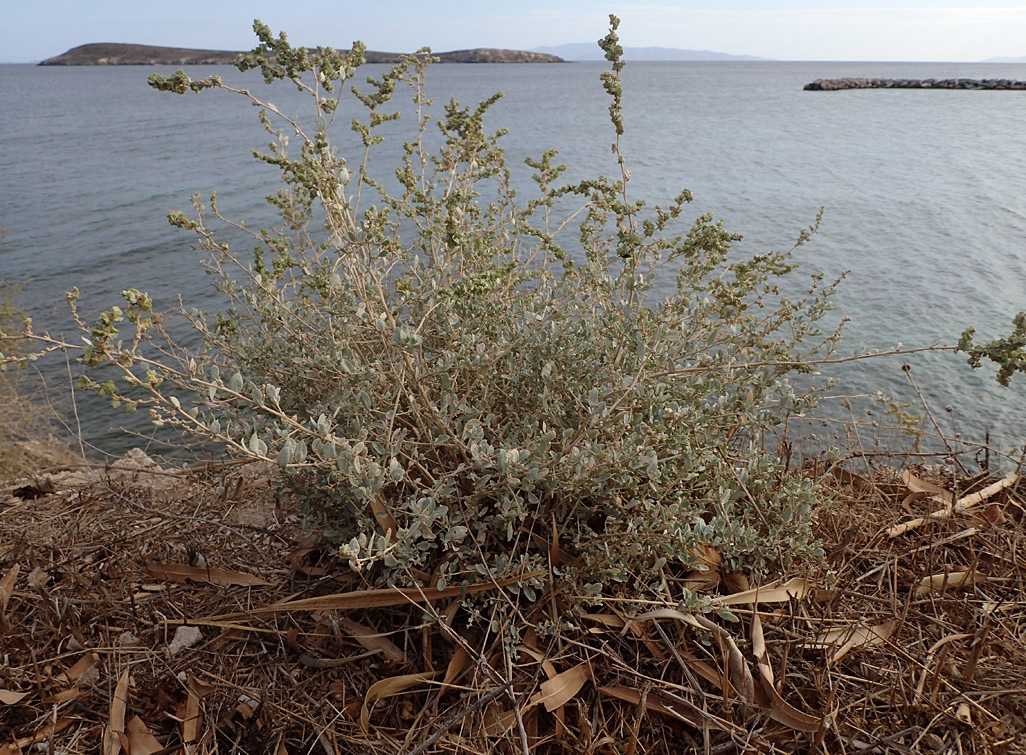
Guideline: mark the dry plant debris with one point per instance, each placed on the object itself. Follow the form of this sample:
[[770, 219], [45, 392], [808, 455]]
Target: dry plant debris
[[146, 610]]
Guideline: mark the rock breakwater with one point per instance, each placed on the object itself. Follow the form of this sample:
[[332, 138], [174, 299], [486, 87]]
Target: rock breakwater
[[833, 85]]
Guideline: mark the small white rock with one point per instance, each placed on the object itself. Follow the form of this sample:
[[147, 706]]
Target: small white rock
[[185, 637]]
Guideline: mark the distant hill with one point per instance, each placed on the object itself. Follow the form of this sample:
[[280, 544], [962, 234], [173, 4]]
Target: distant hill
[[116, 54], [1006, 60], [591, 51]]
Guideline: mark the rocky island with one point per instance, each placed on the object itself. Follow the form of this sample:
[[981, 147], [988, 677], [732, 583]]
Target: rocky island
[[116, 54], [833, 85]]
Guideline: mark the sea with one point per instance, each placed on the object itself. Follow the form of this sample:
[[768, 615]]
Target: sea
[[923, 196]]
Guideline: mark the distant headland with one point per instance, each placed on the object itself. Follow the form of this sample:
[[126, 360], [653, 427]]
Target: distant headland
[[833, 85], [589, 51], [116, 54]]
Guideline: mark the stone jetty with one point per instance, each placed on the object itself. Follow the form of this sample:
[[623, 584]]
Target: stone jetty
[[833, 85]]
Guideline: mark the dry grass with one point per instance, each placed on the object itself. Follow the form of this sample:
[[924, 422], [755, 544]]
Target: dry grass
[[153, 611]]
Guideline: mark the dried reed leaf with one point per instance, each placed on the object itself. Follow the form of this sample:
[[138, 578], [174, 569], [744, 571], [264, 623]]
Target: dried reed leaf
[[390, 687], [562, 688], [140, 739], [10, 697], [759, 649], [948, 580], [703, 669], [63, 696], [706, 555], [296, 560], [383, 516], [38, 578], [740, 675], [556, 692], [798, 587], [371, 640], [191, 717], [547, 667], [115, 728], [707, 672], [616, 622], [856, 637], [968, 501], [190, 713], [613, 621], [18, 746], [200, 688], [203, 574], [702, 581], [707, 575], [379, 598], [993, 515], [459, 661], [735, 659], [783, 712], [86, 662], [670, 613], [827, 638], [779, 709], [819, 595], [736, 582], [913, 498], [961, 506], [918, 485], [672, 708], [498, 721], [921, 686], [7, 586], [606, 619], [557, 557]]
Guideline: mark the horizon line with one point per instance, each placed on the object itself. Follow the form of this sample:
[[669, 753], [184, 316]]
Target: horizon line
[[754, 59]]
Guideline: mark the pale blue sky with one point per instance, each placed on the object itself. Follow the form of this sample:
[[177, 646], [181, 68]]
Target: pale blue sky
[[941, 30]]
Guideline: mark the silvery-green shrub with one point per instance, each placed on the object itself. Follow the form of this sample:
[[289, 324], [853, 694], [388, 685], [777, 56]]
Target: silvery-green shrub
[[456, 381]]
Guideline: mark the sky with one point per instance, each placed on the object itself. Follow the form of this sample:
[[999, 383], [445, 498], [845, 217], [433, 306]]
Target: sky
[[919, 30]]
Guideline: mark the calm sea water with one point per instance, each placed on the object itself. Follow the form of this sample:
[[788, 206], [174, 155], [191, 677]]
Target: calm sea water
[[924, 192]]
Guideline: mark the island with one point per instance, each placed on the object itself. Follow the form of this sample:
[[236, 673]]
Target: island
[[833, 85], [117, 54]]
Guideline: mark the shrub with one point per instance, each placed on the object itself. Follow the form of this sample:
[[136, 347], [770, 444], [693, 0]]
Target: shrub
[[1007, 352], [458, 383]]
